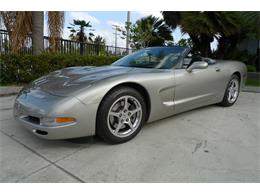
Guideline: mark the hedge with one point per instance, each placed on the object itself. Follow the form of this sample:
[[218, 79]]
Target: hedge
[[21, 69], [251, 68]]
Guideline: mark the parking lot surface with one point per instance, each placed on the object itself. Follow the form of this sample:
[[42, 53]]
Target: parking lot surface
[[210, 144]]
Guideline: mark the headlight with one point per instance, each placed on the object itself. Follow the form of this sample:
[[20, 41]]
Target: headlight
[[58, 121]]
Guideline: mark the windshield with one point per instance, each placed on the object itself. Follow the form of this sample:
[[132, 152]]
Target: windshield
[[158, 57]]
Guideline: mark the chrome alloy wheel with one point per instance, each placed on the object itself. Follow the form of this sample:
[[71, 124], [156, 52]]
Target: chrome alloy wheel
[[124, 116], [233, 90]]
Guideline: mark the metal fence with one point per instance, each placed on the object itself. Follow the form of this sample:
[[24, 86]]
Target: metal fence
[[65, 46]]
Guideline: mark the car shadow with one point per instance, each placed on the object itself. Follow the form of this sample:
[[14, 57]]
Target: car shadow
[[186, 113], [87, 140]]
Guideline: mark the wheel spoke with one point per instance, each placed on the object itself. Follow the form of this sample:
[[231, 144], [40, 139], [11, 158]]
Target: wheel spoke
[[115, 114], [232, 84], [232, 96], [135, 111], [125, 103], [118, 127], [130, 125], [229, 96]]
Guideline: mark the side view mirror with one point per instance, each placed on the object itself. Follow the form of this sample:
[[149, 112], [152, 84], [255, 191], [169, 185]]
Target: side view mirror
[[197, 65]]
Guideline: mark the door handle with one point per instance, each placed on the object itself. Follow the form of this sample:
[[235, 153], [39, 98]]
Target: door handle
[[217, 69]]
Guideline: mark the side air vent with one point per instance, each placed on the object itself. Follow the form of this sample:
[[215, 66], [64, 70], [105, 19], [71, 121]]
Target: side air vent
[[32, 119]]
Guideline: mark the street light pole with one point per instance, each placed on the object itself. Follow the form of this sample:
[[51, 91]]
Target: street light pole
[[116, 27], [116, 37], [127, 31]]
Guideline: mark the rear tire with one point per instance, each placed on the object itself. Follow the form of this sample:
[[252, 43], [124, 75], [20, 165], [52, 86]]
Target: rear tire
[[121, 115], [232, 91]]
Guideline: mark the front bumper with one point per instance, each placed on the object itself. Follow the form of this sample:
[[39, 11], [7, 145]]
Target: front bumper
[[57, 132], [31, 107]]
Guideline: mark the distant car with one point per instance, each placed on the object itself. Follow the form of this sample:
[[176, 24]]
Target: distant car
[[115, 101]]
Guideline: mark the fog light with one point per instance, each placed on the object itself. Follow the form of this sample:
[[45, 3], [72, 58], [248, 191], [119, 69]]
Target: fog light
[[65, 120]]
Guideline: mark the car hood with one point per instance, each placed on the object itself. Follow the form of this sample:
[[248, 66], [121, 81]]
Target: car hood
[[65, 81]]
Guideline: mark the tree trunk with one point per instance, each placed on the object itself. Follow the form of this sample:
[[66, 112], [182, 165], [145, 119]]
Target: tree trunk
[[37, 32], [205, 45], [81, 40], [196, 43], [81, 48], [223, 44]]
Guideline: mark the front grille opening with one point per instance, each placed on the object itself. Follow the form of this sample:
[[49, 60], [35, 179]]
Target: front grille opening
[[40, 132], [32, 119]]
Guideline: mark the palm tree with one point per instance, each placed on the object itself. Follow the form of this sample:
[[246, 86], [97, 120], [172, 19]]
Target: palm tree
[[77, 30], [21, 28], [8, 20], [253, 21], [150, 31], [99, 43], [249, 23], [203, 27], [55, 28], [185, 43], [99, 40], [251, 29], [21, 24]]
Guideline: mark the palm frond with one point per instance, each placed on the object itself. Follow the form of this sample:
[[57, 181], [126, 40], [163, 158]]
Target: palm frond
[[150, 31], [91, 34], [172, 18]]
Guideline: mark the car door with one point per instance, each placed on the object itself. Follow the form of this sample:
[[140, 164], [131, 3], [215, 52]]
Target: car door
[[196, 88]]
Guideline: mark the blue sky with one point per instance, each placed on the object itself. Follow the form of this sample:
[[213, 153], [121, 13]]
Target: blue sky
[[102, 22]]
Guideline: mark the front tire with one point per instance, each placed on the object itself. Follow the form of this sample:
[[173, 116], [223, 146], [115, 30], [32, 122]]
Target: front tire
[[121, 115], [232, 91]]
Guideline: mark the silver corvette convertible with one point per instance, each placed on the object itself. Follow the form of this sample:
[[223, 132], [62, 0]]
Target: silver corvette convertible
[[115, 101]]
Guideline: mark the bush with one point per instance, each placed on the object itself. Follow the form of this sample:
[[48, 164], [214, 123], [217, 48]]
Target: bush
[[19, 69], [242, 56], [251, 68]]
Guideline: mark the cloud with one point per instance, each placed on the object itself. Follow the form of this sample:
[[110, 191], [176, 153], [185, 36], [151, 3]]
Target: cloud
[[108, 35], [78, 16], [147, 13], [110, 38], [111, 22], [82, 16], [69, 16], [66, 33]]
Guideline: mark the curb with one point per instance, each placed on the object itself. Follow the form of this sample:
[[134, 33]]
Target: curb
[[10, 90], [253, 75], [251, 89]]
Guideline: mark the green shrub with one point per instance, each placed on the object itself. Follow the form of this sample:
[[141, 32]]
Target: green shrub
[[242, 56], [251, 68], [20, 69]]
